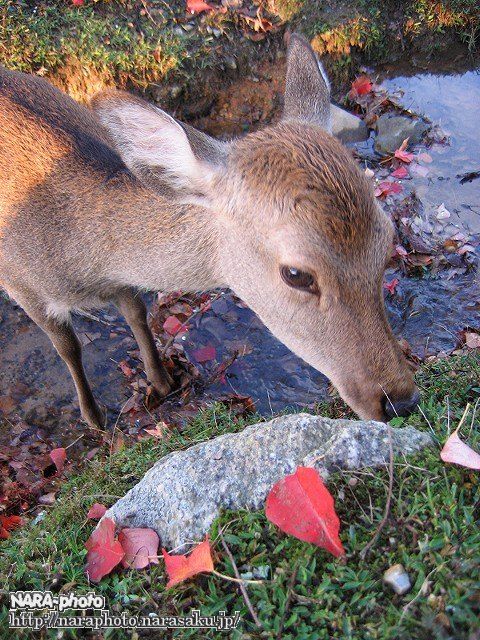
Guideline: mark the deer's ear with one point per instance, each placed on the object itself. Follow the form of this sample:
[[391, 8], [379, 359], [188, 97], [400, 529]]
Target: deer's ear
[[307, 91], [160, 151]]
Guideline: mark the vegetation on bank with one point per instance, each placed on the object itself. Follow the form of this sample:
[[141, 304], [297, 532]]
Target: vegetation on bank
[[433, 530], [142, 44]]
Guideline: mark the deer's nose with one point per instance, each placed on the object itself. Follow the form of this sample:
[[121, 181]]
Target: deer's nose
[[401, 408]]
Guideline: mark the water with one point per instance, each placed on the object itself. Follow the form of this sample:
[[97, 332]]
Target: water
[[453, 102], [429, 312]]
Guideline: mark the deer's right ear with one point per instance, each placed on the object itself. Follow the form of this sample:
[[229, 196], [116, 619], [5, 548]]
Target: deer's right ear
[[160, 151], [307, 90]]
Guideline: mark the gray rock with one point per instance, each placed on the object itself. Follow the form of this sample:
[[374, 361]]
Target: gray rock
[[347, 127], [184, 491], [392, 130]]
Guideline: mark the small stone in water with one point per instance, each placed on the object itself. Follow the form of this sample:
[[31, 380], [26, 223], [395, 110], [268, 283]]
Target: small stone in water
[[397, 579], [442, 212]]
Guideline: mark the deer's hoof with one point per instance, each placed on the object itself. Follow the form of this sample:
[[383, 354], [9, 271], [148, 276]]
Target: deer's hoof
[[94, 416], [162, 387]]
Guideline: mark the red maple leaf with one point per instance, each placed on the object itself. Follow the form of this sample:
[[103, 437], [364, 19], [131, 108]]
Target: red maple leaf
[[391, 286], [401, 172], [386, 188], [140, 546], [401, 152], [173, 326], [7, 523], [197, 6], [58, 457], [302, 506], [104, 551], [360, 86], [181, 567], [96, 511], [205, 354], [78, 3]]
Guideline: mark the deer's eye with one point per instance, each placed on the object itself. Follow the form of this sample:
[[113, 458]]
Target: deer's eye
[[298, 279]]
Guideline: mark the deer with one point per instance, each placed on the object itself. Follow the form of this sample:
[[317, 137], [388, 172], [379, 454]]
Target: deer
[[100, 203]]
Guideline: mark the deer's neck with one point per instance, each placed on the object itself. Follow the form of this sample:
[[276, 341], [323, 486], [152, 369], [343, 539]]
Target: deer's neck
[[164, 246]]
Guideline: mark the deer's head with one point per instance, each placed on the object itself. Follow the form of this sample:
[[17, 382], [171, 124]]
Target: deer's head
[[300, 236]]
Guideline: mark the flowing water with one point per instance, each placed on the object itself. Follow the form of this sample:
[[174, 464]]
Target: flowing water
[[429, 311]]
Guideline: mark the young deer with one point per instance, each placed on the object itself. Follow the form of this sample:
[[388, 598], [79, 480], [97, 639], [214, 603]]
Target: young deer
[[96, 206]]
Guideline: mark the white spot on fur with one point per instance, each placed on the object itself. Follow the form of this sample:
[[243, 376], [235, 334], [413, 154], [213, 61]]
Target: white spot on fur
[[58, 311]]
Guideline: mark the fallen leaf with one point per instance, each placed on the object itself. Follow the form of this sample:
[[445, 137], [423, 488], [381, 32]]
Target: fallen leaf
[[104, 551], [140, 546], [7, 523], [472, 340], [360, 86], [127, 370], [467, 248], [58, 457], [424, 157], [96, 511], [402, 154], [302, 506], [197, 6], [457, 452], [387, 188], [47, 498], [391, 286], [161, 429], [181, 567], [401, 172], [205, 354], [401, 250], [78, 3], [173, 326]]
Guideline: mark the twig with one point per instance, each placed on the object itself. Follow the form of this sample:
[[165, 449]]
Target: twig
[[420, 591], [241, 582], [286, 608], [148, 13], [237, 580], [462, 419], [383, 521]]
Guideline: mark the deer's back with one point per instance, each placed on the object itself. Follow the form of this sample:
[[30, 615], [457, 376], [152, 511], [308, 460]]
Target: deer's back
[[56, 174]]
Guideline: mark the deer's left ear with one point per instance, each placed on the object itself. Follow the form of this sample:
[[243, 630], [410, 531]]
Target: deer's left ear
[[307, 91], [160, 151]]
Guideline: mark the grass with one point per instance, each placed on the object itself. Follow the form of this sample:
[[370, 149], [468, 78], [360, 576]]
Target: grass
[[433, 530], [145, 44]]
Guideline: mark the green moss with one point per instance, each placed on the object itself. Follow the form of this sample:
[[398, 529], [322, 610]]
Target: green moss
[[433, 530], [42, 38]]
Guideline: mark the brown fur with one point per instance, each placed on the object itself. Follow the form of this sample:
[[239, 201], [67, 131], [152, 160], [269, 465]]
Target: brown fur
[[95, 207]]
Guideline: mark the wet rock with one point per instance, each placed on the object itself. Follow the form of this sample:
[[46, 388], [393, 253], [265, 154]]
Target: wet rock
[[347, 127], [183, 492], [392, 130]]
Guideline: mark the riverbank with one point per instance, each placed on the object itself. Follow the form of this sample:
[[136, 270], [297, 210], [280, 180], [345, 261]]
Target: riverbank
[[177, 58]]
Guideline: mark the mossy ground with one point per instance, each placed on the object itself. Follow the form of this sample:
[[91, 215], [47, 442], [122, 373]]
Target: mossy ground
[[145, 45], [433, 529]]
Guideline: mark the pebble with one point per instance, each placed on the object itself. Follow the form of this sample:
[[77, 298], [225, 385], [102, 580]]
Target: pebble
[[397, 579]]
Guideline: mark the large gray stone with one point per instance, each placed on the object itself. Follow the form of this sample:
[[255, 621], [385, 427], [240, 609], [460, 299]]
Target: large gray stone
[[346, 126], [183, 492], [392, 130]]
